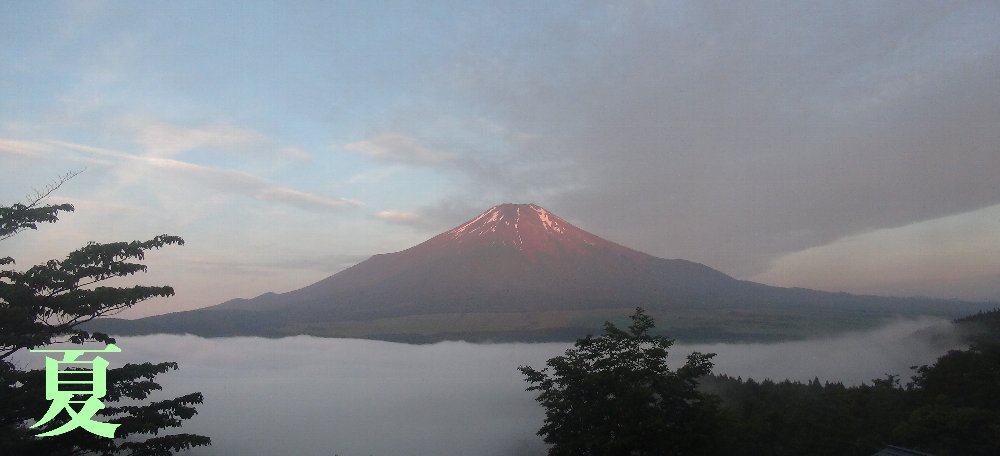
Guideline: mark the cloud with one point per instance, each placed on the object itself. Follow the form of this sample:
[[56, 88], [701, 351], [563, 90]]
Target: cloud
[[294, 152], [326, 263], [852, 358], [730, 136], [162, 139], [208, 272], [375, 175], [377, 397], [23, 148], [918, 259], [399, 148], [399, 217], [237, 182], [302, 200], [433, 218]]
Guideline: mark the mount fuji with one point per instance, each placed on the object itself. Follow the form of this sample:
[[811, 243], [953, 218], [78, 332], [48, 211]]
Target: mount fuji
[[520, 272]]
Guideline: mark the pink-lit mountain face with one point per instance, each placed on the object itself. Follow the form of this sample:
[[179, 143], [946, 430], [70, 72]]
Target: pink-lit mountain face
[[512, 257], [532, 230]]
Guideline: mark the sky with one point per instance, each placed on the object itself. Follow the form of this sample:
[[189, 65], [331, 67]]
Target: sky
[[358, 397], [846, 146]]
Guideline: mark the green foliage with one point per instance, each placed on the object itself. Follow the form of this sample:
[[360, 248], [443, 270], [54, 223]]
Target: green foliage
[[792, 418], [47, 301], [615, 394], [45, 304], [983, 328], [949, 408], [956, 404]]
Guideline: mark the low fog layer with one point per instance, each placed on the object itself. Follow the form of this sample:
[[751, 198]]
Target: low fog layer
[[314, 396], [851, 358]]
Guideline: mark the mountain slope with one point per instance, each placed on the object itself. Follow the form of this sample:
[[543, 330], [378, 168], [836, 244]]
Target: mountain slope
[[513, 257], [517, 271]]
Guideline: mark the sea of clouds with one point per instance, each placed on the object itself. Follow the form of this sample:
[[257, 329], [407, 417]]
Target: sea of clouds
[[313, 396]]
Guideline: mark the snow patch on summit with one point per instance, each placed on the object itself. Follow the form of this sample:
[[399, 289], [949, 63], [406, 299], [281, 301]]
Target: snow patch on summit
[[480, 226], [530, 229], [548, 222], [506, 220], [517, 218], [457, 232]]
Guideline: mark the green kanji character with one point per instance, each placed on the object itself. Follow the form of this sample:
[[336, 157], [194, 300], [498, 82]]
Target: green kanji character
[[61, 386]]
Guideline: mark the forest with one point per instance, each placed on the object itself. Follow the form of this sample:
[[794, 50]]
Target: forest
[[614, 395]]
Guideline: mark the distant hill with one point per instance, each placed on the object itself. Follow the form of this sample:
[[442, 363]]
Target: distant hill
[[519, 272], [981, 328]]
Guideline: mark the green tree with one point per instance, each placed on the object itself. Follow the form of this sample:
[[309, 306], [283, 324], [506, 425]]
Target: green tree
[[956, 403], [951, 407], [789, 418], [615, 395], [44, 304]]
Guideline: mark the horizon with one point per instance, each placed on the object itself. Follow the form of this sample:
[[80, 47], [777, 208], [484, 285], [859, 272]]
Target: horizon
[[838, 148]]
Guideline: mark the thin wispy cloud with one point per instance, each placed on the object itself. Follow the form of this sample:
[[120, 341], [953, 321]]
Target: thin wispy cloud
[[294, 152], [302, 200], [165, 140], [22, 148], [236, 182], [399, 217], [398, 148], [375, 175]]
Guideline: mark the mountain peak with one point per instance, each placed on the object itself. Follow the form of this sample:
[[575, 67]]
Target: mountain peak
[[509, 218], [529, 229]]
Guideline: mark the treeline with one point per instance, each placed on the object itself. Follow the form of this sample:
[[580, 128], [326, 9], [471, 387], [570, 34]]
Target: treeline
[[615, 395], [949, 408]]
